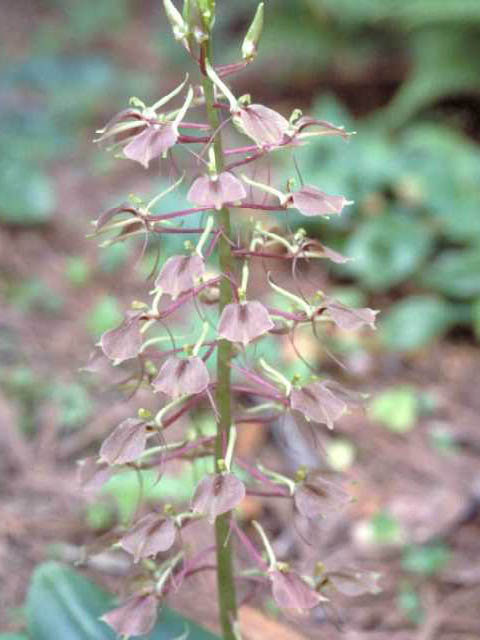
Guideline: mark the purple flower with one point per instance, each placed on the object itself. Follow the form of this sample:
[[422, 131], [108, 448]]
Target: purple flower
[[179, 274], [318, 403], [290, 591], [216, 191], [311, 201], [182, 376], [243, 322], [318, 498], [348, 318], [150, 535], [136, 617], [125, 443], [124, 342], [151, 143], [217, 494], [92, 473], [265, 126]]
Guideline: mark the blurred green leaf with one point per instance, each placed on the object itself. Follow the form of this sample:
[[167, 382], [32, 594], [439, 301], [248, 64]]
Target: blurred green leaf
[[28, 196], [74, 404], [385, 529], [445, 63], [113, 258], [427, 559], [443, 439], [408, 601], [105, 315], [414, 322], [13, 636], [455, 273], [34, 294], [99, 516], [476, 318], [396, 408], [63, 604], [387, 249], [77, 271]]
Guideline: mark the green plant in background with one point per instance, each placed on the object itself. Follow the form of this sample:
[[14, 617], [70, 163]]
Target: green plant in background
[[416, 222], [63, 604]]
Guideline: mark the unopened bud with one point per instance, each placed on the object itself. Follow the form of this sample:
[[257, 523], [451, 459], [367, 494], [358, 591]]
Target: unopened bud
[[178, 24], [138, 305], [301, 474], [168, 509], [250, 43]]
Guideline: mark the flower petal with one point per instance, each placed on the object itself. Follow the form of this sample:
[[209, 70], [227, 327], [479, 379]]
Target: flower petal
[[244, 322], [313, 202], [92, 473], [265, 126], [123, 342], [318, 498], [348, 318], [226, 188], [125, 443], [151, 143], [182, 376], [318, 403], [290, 591], [179, 274], [136, 617], [150, 535], [217, 494]]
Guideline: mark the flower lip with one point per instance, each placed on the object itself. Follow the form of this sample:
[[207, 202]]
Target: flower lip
[[152, 534], [311, 201], [135, 617], [264, 125], [243, 322], [152, 142], [217, 494], [182, 376], [180, 274], [216, 191], [125, 443], [318, 403], [317, 497], [124, 342], [348, 318], [290, 591]]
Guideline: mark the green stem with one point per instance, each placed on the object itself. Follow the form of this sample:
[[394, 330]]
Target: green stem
[[225, 576]]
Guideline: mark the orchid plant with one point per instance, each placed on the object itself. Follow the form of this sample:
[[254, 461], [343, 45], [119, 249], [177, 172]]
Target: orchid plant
[[180, 378]]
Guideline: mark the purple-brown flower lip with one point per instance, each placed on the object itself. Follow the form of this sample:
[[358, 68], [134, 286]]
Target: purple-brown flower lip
[[217, 494], [182, 376], [216, 191], [243, 322]]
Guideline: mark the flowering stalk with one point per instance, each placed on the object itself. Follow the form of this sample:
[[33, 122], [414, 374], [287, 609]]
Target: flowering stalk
[[175, 368], [225, 574]]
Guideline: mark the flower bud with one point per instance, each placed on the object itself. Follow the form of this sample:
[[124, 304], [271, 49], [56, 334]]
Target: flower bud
[[250, 43], [178, 24]]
